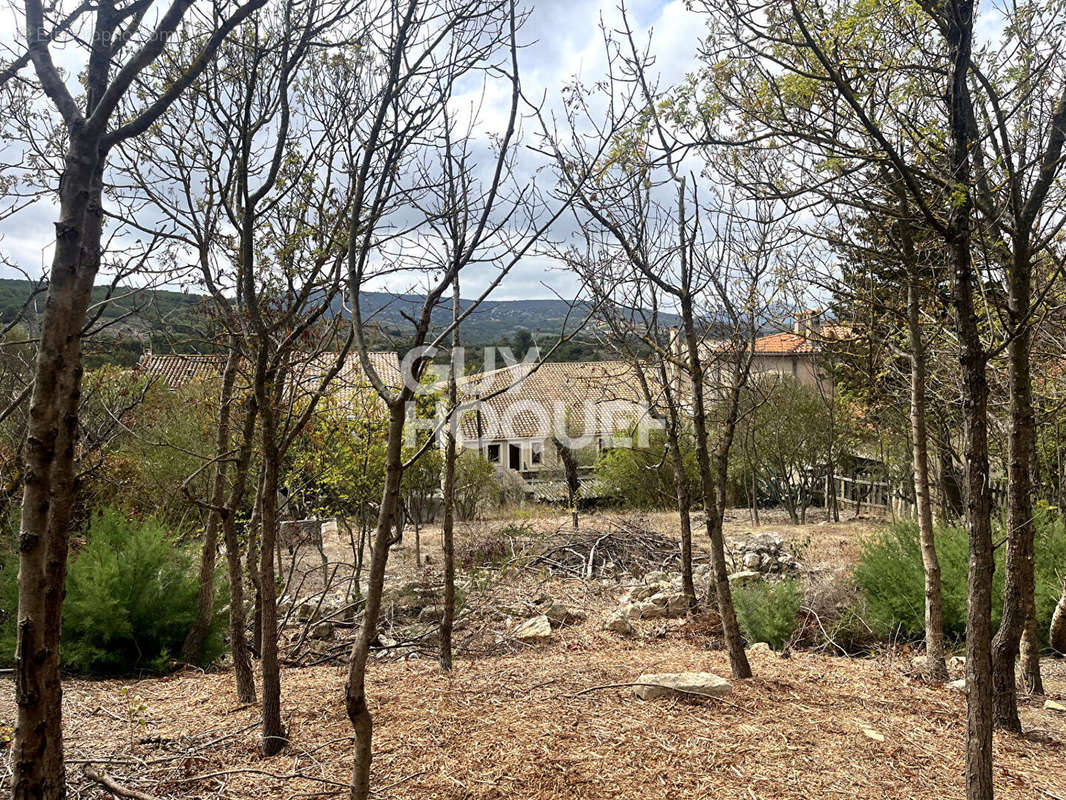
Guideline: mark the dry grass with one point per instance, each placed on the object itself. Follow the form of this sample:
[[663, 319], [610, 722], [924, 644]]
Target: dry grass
[[510, 726]]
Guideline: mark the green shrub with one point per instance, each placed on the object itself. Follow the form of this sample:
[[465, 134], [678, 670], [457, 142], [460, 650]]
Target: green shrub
[[892, 577], [131, 597], [767, 611], [9, 591]]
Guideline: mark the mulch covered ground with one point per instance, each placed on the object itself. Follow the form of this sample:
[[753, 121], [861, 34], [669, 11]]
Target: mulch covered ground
[[514, 726]]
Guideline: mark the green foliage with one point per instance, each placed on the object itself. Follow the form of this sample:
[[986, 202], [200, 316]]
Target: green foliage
[[131, 597], [9, 591], [767, 612], [643, 478], [167, 436], [338, 466], [891, 576], [792, 432], [476, 485]]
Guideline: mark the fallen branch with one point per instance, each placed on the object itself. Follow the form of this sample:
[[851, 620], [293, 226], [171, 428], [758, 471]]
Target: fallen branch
[[114, 786]]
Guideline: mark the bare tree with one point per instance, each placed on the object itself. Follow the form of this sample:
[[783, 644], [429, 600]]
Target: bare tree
[[110, 110], [694, 247], [837, 121]]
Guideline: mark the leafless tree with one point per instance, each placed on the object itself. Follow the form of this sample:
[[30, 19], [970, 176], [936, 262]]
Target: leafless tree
[[107, 110]]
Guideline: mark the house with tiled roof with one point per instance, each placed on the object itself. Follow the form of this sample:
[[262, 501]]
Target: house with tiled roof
[[795, 352], [350, 389], [513, 416], [175, 370]]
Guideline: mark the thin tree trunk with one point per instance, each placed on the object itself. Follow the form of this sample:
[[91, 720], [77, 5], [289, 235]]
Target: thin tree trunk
[[958, 33], [273, 739], [934, 606], [447, 619], [684, 508], [205, 606], [738, 659], [242, 662], [1019, 587], [252, 565], [50, 490], [355, 687], [1057, 632]]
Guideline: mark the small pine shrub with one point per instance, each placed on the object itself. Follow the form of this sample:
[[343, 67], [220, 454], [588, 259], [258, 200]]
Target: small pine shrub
[[892, 577], [131, 598], [767, 612]]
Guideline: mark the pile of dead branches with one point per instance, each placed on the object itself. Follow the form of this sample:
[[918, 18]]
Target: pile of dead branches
[[623, 547]]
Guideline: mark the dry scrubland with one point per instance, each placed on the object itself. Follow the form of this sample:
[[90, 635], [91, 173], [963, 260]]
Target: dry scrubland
[[550, 721]]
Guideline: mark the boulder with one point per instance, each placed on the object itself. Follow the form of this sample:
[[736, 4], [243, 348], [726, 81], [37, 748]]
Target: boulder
[[559, 614], [323, 630], [760, 647], [677, 605], [1051, 705], [431, 614], [957, 686], [536, 629], [650, 610], [751, 561], [744, 578], [665, 684], [619, 622]]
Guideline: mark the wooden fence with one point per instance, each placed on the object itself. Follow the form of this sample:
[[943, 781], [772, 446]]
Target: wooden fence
[[862, 493]]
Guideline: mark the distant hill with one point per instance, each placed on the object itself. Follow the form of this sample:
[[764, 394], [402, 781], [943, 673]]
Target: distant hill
[[492, 321], [170, 321]]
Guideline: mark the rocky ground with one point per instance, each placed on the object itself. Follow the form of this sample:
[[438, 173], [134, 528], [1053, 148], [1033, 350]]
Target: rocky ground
[[546, 697]]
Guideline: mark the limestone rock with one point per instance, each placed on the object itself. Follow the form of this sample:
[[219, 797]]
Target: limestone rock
[[665, 684], [619, 622], [322, 630], [760, 647], [536, 629], [559, 614], [958, 686], [744, 578], [1051, 705]]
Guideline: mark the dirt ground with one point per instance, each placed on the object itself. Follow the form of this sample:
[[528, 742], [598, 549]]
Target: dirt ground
[[517, 726], [552, 721]]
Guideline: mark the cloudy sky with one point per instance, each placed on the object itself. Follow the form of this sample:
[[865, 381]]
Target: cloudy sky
[[563, 40]]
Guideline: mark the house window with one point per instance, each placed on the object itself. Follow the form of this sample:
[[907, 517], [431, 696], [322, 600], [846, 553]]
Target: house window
[[494, 453], [536, 450]]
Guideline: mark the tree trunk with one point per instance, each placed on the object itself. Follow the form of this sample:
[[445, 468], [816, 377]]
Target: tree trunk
[[738, 659], [684, 507], [49, 491], [252, 565], [573, 484], [447, 619], [934, 606], [958, 33], [1030, 662], [1057, 632], [273, 739], [355, 688], [205, 606], [242, 662], [1019, 586]]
